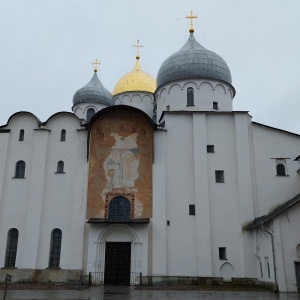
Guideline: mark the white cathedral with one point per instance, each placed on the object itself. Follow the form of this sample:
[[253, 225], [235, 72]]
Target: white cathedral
[[160, 182]]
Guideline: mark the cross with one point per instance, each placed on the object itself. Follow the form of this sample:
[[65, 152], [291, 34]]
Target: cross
[[191, 17], [96, 63], [137, 46]]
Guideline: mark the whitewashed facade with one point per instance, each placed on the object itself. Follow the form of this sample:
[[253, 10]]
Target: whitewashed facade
[[214, 172]]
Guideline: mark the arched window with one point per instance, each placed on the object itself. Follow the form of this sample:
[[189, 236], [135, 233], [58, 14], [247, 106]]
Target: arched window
[[60, 167], [21, 135], [63, 135], [55, 247], [11, 248], [20, 169], [119, 209], [190, 97], [280, 168], [90, 113]]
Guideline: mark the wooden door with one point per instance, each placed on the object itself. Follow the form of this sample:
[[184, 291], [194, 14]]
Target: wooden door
[[117, 263]]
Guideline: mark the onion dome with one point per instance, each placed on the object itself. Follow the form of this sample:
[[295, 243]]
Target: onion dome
[[193, 61], [93, 92], [136, 80]]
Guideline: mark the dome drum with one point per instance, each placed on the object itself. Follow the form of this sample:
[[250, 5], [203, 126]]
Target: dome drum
[[207, 95]]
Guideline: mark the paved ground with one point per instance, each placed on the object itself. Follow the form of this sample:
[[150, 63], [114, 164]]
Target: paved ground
[[130, 293]]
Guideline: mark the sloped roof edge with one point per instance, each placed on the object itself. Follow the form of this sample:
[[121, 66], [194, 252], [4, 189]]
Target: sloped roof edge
[[274, 213]]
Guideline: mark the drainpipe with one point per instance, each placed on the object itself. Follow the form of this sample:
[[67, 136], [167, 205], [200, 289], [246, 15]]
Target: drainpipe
[[274, 260]]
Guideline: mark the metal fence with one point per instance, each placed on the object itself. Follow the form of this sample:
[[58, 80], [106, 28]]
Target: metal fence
[[97, 278]]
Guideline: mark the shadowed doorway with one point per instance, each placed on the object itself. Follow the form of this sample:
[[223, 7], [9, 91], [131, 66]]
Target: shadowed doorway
[[117, 263]]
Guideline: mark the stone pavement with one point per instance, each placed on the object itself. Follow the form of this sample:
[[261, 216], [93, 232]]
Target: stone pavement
[[130, 293]]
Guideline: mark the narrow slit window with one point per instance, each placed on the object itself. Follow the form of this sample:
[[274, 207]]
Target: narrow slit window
[[20, 169], [222, 253], [60, 167], [220, 176], [63, 135], [11, 248], [55, 248], [21, 135], [192, 211], [190, 97], [215, 105], [268, 269]]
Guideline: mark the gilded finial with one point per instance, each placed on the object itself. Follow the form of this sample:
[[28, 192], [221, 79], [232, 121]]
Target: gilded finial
[[137, 46], [96, 63], [191, 17]]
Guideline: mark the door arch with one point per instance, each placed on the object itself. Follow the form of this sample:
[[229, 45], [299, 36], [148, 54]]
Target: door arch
[[120, 233]]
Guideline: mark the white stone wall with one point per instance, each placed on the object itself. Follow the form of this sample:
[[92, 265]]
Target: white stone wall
[[184, 173], [190, 179], [287, 237], [43, 200], [273, 190], [285, 230], [80, 110], [141, 100], [173, 96]]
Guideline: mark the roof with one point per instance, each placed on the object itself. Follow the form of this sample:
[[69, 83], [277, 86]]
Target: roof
[[193, 61], [136, 80], [274, 128], [274, 213], [93, 92]]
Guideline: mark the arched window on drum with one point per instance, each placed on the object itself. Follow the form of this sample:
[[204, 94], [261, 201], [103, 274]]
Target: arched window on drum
[[190, 96], [90, 113], [119, 209]]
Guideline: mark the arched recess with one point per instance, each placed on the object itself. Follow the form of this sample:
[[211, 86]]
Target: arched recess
[[227, 272], [158, 95], [206, 84], [192, 84], [221, 86], [174, 86], [119, 233]]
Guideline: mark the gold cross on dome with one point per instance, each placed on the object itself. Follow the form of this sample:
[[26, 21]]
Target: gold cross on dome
[[137, 46], [191, 17], [96, 63]]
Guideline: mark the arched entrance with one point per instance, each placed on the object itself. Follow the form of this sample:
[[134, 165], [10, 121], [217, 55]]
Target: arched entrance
[[119, 255], [117, 263]]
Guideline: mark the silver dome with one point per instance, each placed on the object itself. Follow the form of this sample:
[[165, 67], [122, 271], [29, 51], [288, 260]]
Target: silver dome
[[193, 61], [93, 92]]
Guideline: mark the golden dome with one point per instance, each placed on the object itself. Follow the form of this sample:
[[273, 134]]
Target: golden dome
[[136, 80]]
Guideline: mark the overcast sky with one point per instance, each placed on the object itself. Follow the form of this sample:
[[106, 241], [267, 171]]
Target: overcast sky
[[47, 48]]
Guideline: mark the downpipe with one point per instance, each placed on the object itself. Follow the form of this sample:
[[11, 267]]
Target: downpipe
[[274, 259]]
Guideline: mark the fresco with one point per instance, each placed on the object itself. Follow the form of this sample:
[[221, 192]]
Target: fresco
[[121, 165], [120, 162]]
